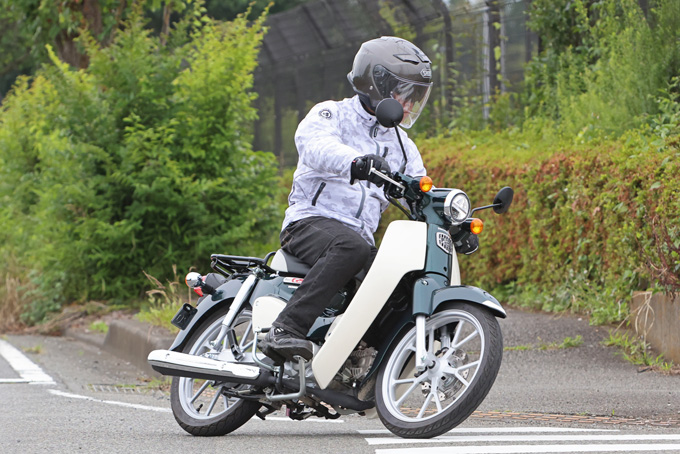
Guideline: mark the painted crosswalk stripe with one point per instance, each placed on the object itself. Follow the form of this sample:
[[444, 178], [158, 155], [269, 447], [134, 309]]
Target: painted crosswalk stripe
[[528, 449], [523, 438], [28, 371]]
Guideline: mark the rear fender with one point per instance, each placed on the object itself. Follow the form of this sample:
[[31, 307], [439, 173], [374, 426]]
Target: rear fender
[[208, 304]]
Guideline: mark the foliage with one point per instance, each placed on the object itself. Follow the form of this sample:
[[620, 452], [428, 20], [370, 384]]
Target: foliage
[[580, 235], [140, 160], [603, 63]]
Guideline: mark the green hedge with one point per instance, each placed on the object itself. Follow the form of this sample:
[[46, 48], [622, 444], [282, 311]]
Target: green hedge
[[589, 224]]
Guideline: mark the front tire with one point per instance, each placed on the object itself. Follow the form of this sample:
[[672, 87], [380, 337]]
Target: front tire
[[199, 406], [464, 349]]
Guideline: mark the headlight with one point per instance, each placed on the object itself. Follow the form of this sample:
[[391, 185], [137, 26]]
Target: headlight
[[457, 206]]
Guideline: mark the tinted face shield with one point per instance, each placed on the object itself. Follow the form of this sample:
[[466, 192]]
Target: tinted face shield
[[412, 95]]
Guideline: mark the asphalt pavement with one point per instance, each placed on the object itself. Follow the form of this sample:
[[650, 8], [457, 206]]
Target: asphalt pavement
[[537, 378]]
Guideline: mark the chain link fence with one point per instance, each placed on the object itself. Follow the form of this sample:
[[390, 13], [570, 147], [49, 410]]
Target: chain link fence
[[476, 46]]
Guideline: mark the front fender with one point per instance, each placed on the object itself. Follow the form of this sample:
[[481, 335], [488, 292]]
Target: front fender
[[468, 294], [224, 294]]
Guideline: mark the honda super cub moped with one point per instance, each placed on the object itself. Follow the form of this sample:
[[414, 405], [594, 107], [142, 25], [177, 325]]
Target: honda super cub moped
[[409, 342]]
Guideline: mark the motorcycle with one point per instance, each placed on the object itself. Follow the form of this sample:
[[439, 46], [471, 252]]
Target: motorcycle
[[409, 343]]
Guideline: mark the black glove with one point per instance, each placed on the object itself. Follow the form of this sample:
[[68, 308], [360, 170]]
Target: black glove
[[361, 169]]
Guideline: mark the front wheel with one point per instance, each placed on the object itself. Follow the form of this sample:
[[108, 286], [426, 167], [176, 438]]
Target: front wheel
[[201, 406], [464, 352]]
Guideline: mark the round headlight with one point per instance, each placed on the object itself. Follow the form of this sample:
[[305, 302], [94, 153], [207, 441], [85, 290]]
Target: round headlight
[[457, 206]]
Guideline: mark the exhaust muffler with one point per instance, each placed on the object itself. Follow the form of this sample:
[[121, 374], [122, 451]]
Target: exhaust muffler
[[178, 364]]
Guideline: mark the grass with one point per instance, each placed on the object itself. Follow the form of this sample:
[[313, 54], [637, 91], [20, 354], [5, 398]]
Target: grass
[[519, 348], [637, 351], [37, 349], [164, 301], [155, 383], [99, 327], [568, 342]]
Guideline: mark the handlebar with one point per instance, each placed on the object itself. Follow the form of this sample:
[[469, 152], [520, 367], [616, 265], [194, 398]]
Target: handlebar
[[387, 178]]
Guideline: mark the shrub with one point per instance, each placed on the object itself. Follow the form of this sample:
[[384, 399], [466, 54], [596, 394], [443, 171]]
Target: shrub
[[590, 223], [141, 161]]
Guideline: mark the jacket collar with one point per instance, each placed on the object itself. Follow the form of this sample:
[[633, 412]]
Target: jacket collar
[[361, 112]]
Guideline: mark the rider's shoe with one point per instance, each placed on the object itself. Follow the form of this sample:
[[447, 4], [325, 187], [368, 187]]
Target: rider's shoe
[[280, 345]]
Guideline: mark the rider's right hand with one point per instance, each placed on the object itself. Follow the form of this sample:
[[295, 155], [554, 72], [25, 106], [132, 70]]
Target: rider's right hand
[[361, 168]]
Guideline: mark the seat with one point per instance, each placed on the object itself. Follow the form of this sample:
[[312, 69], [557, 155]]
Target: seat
[[284, 262]]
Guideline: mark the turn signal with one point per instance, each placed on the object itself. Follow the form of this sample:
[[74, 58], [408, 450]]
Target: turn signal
[[476, 226], [426, 184]]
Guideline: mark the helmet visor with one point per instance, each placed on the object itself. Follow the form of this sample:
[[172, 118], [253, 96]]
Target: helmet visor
[[413, 97]]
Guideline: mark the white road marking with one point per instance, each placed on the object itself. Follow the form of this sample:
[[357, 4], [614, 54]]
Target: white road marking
[[500, 430], [109, 402], [30, 372], [528, 449], [522, 438], [167, 410]]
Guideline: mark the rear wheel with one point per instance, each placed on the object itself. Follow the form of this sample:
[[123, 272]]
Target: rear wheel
[[464, 352], [200, 406]]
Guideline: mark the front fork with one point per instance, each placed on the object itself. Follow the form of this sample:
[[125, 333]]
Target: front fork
[[421, 347]]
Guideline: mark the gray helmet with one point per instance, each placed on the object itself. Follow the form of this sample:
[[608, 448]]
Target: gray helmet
[[392, 67]]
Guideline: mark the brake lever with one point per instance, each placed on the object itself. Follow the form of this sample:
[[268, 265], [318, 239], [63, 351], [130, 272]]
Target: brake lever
[[388, 179]]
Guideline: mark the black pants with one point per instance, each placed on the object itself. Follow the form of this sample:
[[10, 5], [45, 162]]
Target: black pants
[[336, 254]]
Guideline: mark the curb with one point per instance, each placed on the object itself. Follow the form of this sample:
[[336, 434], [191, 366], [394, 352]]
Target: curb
[[129, 340]]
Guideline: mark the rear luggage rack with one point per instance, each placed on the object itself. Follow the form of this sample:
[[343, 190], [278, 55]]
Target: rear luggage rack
[[231, 264]]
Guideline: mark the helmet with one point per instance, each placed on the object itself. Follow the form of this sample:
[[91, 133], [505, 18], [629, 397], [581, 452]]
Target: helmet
[[392, 67]]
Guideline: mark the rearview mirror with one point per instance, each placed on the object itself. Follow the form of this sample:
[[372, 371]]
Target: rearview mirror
[[503, 200], [389, 112]]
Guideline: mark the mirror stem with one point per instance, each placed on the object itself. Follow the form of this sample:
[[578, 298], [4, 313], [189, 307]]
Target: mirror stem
[[402, 169], [485, 207]]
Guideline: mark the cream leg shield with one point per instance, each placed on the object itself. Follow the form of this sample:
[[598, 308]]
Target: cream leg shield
[[403, 249]]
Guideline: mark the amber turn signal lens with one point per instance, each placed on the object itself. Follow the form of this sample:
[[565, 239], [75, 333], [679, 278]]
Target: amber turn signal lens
[[476, 226], [426, 184]]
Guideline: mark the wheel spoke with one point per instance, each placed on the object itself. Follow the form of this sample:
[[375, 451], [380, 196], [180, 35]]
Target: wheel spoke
[[416, 382], [404, 380], [454, 372], [435, 392], [469, 365], [437, 402], [425, 405], [467, 339], [245, 337], [200, 391], [218, 393], [459, 329]]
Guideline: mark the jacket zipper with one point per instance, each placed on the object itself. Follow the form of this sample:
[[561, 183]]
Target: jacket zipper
[[361, 204], [318, 193]]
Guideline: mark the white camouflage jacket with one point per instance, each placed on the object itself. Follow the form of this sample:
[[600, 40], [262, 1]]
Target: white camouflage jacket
[[329, 138]]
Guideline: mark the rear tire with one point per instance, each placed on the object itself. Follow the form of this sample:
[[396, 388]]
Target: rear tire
[[465, 348], [198, 405]]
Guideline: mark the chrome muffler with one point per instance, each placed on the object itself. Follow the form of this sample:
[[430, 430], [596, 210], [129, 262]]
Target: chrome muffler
[[178, 364]]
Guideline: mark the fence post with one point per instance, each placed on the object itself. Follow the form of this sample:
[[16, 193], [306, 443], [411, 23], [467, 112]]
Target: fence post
[[492, 40]]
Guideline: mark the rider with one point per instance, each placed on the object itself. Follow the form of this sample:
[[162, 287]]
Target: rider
[[335, 202]]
